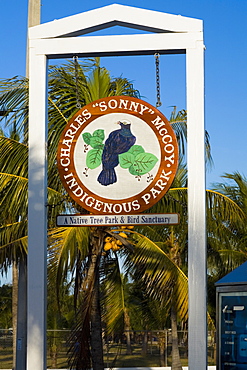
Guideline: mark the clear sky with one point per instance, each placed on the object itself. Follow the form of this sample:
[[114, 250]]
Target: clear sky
[[225, 31]]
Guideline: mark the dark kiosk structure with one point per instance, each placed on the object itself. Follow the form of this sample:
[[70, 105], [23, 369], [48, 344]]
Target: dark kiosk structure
[[231, 294]]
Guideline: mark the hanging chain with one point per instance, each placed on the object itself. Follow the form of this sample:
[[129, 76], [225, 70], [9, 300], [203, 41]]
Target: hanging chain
[[78, 104], [157, 63]]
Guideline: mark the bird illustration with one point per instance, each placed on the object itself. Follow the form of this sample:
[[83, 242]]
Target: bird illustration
[[119, 141]]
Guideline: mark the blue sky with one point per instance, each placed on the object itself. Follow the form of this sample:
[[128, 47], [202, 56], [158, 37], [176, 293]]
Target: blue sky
[[225, 30]]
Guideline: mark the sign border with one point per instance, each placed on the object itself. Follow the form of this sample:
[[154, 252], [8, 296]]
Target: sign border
[[156, 188], [118, 220]]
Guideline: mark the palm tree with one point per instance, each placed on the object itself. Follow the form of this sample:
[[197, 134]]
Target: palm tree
[[68, 86], [232, 252], [79, 252], [5, 306], [115, 290], [148, 261], [159, 260]]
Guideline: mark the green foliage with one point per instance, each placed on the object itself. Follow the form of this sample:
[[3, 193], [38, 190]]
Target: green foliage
[[94, 158], [5, 307], [126, 160], [160, 253], [228, 244], [137, 160], [95, 140], [143, 163]]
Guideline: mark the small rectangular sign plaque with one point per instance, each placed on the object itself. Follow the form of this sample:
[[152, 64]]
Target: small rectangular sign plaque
[[118, 220]]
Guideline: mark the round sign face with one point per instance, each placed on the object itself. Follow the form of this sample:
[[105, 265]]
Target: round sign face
[[117, 155]]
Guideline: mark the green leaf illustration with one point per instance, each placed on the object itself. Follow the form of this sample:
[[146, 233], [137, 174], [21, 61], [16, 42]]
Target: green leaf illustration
[[96, 142], [99, 133], [134, 169], [144, 163], [86, 137], [126, 159], [136, 149], [94, 158]]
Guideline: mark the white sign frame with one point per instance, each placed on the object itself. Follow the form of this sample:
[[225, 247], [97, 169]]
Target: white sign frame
[[172, 35]]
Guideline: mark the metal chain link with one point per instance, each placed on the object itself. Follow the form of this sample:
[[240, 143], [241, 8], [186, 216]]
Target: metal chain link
[[78, 104], [157, 63]]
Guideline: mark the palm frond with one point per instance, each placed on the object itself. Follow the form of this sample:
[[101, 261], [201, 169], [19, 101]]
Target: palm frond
[[114, 302], [13, 243], [64, 245], [14, 97], [224, 208], [237, 190], [98, 84], [13, 190], [232, 259], [14, 157], [163, 279], [178, 120]]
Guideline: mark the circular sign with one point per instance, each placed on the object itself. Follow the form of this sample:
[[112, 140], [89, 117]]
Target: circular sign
[[117, 155]]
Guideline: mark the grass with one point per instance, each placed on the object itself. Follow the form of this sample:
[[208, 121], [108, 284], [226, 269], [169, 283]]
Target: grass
[[115, 356], [6, 355]]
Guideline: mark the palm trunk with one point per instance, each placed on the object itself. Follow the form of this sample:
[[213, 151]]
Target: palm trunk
[[176, 363], [86, 350], [162, 351], [145, 343], [96, 326], [127, 331]]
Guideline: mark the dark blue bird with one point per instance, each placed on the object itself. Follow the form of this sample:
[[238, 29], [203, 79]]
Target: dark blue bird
[[119, 141]]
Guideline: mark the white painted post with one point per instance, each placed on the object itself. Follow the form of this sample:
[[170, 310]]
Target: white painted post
[[196, 209], [37, 228]]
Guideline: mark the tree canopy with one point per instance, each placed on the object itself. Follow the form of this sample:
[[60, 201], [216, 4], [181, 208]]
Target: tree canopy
[[155, 256]]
